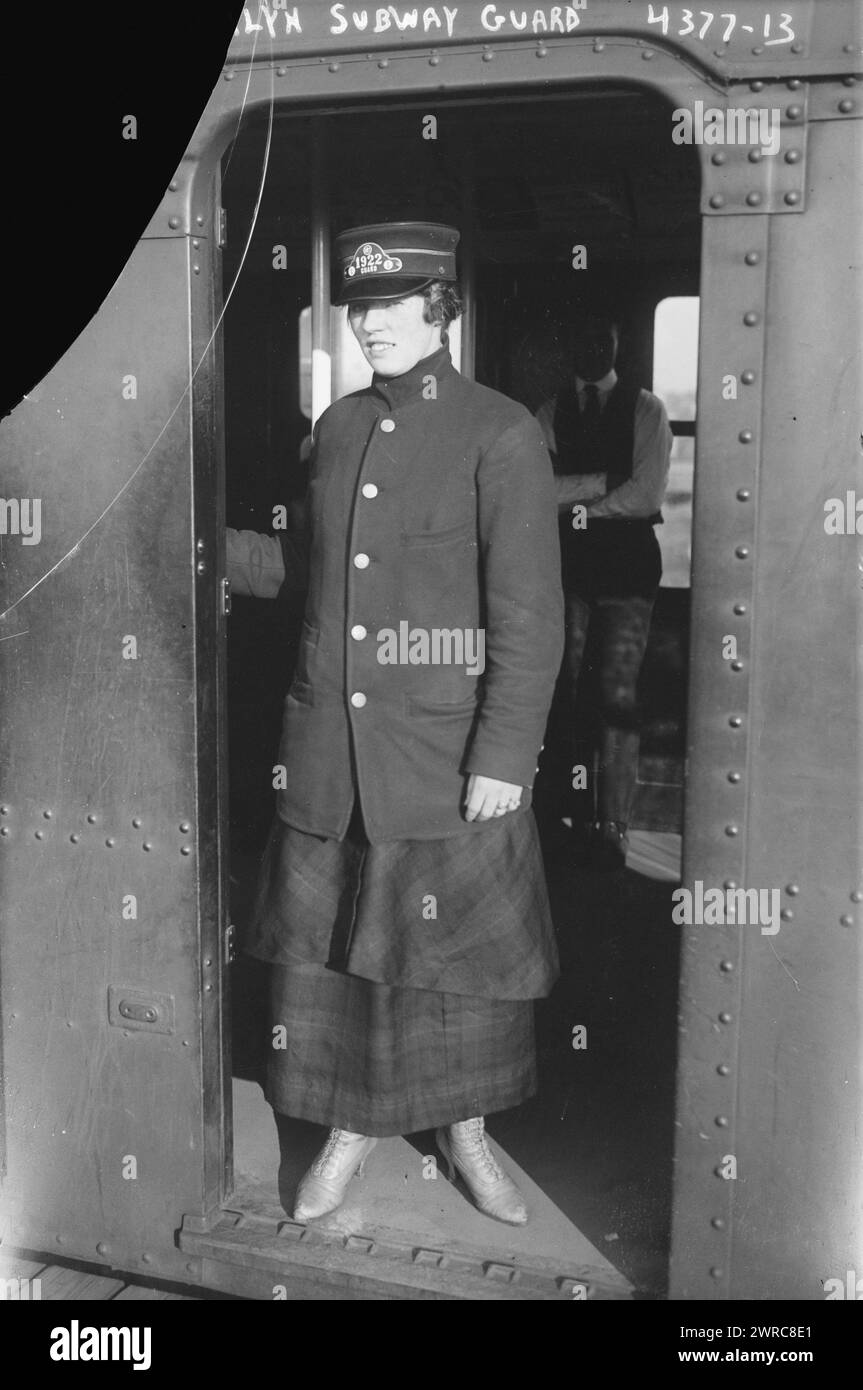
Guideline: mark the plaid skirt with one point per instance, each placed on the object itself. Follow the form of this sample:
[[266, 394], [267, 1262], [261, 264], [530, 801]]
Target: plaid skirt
[[381, 1060], [466, 914], [403, 974]]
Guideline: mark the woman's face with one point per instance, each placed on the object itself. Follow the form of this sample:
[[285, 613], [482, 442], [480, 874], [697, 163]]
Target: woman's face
[[392, 333]]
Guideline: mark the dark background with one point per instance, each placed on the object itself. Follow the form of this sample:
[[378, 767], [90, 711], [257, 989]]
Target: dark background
[[77, 194]]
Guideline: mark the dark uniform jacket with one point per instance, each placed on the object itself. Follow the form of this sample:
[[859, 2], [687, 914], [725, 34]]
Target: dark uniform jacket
[[431, 510]]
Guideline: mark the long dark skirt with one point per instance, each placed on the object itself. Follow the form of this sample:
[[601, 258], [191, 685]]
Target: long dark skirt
[[391, 1015], [382, 1060]]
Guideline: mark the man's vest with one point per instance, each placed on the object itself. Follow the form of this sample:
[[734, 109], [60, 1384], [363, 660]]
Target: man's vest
[[608, 447]]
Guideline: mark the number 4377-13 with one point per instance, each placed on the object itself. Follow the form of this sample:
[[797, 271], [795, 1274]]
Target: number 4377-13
[[772, 30]]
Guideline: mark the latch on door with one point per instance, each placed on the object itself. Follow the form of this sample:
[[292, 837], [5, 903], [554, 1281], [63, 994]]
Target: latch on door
[[133, 1008]]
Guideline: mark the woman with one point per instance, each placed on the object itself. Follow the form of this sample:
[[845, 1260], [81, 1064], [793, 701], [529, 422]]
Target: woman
[[401, 901]]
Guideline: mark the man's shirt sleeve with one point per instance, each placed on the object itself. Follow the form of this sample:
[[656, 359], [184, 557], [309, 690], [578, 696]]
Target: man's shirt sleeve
[[642, 494]]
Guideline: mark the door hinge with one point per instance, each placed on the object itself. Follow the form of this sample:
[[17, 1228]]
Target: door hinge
[[230, 949], [226, 598], [221, 228]]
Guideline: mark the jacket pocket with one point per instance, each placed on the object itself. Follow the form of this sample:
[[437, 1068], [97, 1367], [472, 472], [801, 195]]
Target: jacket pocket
[[464, 530], [418, 707]]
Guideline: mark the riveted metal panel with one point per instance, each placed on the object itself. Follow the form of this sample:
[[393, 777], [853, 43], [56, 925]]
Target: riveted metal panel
[[729, 449], [98, 784], [799, 1196]]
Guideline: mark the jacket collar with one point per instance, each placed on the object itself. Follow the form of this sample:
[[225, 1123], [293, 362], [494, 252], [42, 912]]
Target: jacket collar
[[400, 390]]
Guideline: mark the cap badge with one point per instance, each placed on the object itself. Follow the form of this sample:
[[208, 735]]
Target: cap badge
[[371, 259]]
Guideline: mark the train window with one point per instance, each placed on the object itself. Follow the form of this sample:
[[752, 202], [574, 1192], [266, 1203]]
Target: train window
[[675, 365]]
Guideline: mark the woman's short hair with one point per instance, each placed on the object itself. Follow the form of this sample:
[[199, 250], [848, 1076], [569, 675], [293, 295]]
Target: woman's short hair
[[443, 303]]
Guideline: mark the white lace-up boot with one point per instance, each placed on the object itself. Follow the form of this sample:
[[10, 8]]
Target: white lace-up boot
[[465, 1147], [323, 1187]]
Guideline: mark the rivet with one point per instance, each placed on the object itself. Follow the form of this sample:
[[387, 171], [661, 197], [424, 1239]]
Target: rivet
[[208, 989], [146, 845], [59, 1240], [47, 814], [730, 884], [185, 827], [74, 839], [716, 1272], [186, 1042], [599, 46], [69, 1023], [849, 81], [110, 842], [742, 552], [487, 57], [384, 63], [334, 67], [719, 52], [173, 221], [747, 377], [208, 961], [173, 185], [717, 1223], [721, 1121], [648, 54], [756, 86], [726, 965], [101, 1248], [846, 105], [723, 1069], [719, 157], [185, 850], [755, 156], [737, 665], [196, 270], [200, 547], [752, 257], [717, 200], [200, 220], [735, 721], [732, 830], [792, 156], [745, 436], [740, 609], [857, 896], [281, 72], [4, 830], [750, 318], [758, 50], [542, 53], [794, 112], [92, 819], [792, 889], [848, 48], [846, 920], [434, 60], [753, 200], [40, 834], [228, 76], [136, 822], [743, 494], [190, 1267], [792, 198], [796, 48], [146, 1259], [4, 810], [786, 914], [734, 777], [793, 84], [201, 567]]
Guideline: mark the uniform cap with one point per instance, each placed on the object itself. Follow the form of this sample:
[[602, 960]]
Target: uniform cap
[[388, 260]]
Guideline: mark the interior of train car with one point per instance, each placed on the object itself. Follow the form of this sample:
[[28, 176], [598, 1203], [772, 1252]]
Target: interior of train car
[[527, 182]]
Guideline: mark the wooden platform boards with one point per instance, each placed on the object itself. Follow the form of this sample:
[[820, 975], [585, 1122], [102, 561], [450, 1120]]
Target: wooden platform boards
[[31, 1278]]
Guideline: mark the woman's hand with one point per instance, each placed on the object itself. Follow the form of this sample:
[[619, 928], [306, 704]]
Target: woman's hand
[[488, 798]]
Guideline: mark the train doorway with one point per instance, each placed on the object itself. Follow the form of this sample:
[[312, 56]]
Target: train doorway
[[565, 203]]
